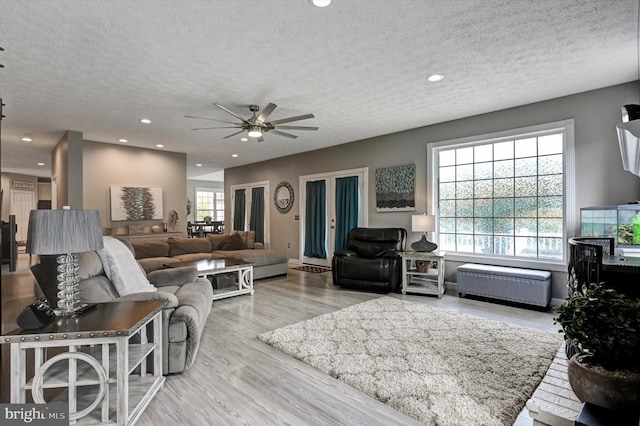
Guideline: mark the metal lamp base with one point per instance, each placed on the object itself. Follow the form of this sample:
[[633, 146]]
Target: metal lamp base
[[424, 245]]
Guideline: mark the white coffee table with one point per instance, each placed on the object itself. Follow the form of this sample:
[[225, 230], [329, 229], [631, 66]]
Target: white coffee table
[[206, 268]]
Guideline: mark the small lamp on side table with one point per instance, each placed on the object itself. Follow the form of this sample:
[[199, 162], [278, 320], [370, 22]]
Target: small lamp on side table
[[64, 233], [423, 223]]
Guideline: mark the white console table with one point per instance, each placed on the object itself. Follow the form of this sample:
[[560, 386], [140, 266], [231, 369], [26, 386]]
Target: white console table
[[98, 352], [423, 280]]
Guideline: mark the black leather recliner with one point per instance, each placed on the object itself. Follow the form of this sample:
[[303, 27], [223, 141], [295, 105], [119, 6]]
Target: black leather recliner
[[372, 260]]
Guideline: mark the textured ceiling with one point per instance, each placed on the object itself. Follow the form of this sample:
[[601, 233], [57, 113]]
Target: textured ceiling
[[360, 66]]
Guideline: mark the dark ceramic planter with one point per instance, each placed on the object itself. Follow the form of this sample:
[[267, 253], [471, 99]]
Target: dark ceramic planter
[[603, 388]]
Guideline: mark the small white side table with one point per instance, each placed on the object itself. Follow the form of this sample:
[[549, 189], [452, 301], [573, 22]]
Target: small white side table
[[417, 279]]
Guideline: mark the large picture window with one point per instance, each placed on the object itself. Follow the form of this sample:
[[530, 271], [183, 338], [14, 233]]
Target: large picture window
[[209, 202], [505, 196]]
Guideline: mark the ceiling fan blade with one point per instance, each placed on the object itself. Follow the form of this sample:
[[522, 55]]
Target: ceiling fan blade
[[286, 135], [290, 119], [233, 134], [224, 127], [232, 113], [297, 127], [212, 119], [265, 113]]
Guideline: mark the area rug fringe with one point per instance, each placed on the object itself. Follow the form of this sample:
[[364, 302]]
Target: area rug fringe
[[440, 367]]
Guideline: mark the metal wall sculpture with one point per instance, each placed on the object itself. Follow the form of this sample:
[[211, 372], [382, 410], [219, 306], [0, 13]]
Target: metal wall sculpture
[[136, 203], [395, 187]]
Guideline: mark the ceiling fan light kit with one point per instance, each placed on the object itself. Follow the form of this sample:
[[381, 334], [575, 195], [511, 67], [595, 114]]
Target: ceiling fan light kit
[[254, 132], [257, 126]]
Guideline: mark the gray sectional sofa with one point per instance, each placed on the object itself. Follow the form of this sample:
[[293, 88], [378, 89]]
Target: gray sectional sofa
[[237, 245], [184, 316]]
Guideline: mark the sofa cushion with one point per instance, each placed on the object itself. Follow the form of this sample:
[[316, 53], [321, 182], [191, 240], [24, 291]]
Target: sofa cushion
[[233, 242], [90, 265], [190, 257], [257, 257], [155, 263], [144, 250], [96, 289], [178, 246], [249, 237], [173, 276], [170, 298], [216, 240]]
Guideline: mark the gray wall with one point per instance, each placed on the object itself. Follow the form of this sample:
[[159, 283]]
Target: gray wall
[[109, 164], [600, 178]]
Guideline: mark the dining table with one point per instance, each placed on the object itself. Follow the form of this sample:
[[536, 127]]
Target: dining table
[[202, 229]]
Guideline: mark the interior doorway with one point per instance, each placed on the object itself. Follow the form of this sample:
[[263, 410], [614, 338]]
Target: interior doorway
[[322, 212], [22, 202]]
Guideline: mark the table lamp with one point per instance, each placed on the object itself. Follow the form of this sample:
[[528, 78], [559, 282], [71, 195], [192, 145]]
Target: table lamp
[[423, 223], [64, 233]]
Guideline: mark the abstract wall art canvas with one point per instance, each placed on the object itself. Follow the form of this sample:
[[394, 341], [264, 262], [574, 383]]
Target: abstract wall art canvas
[[395, 188], [136, 203]]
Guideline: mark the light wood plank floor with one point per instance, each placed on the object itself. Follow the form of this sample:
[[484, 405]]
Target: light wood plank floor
[[239, 380]]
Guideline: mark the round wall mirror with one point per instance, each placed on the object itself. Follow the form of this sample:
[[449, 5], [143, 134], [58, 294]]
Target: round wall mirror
[[283, 197]]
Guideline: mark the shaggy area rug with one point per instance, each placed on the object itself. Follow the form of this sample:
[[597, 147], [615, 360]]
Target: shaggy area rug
[[314, 269], [437, 366]]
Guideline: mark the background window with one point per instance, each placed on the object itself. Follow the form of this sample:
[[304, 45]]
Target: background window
[[504, 198], [209, 202]]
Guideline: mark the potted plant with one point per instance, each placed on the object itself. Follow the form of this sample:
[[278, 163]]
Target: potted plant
[[605, 327]]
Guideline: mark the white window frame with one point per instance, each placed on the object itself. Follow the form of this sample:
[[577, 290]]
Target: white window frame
[[211, 190], [564, 126]]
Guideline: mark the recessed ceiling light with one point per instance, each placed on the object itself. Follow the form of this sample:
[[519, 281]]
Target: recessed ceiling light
[[40, 164], [234, 155], [244, 139], [198, 165], [321, 3], [145, 121], [159, 145], [27, 139], [435, 77], [123, 140]]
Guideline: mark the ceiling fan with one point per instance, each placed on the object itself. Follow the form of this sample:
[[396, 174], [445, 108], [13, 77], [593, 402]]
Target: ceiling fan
[[257, 126]]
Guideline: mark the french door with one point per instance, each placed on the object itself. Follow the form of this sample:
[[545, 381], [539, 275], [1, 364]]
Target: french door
[[318, 203]]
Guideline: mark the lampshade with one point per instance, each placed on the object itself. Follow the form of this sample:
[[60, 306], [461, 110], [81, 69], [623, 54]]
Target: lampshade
[[628, 138], [423, 223], [63, 231], [255, 132]]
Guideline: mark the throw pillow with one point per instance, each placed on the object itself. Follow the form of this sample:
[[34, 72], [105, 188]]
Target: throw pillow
[[122, 268], [248, 237], [233, 242], [216, 240]]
